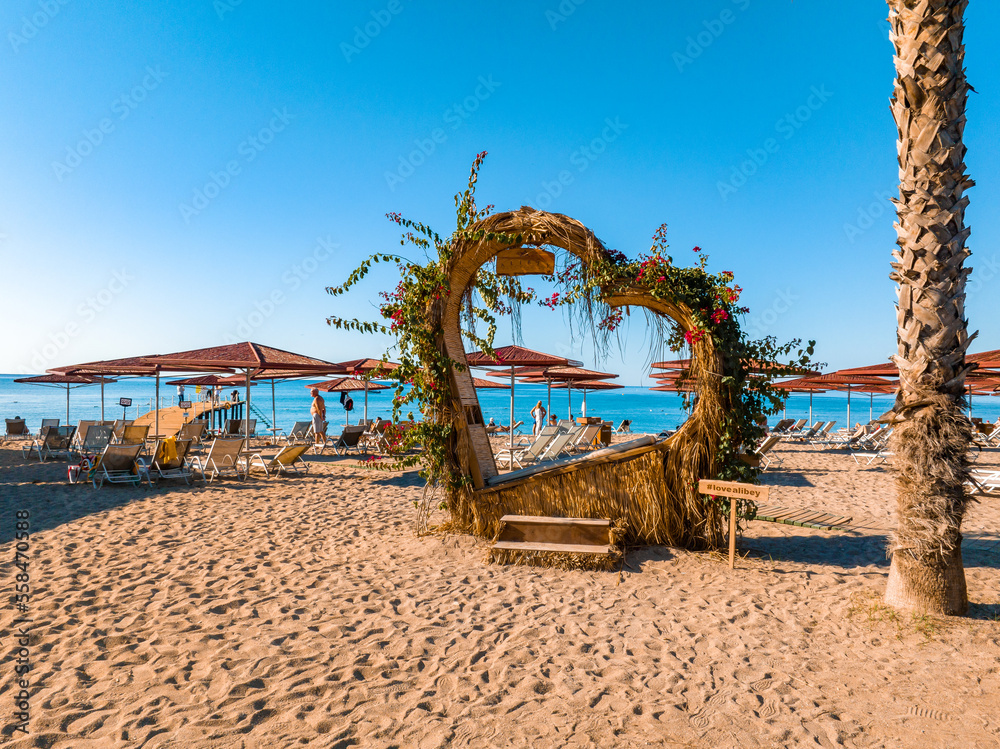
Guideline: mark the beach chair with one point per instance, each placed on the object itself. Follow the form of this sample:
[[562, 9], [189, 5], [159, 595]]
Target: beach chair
[[119, 428], [170, 459], [224, 456], [782, 426], [98, 437], [586, 437], [349, 439], [991, 439], [52, 442], [290, 459], [763, 455], [134, 434], [298, 434], [806, 434], [822, 434], [234, 428], [561, 443], [17, 429], [47, 423], [625, 427], [118, 464], [194, 431], [530, 453], [984, 481], [81, 431]]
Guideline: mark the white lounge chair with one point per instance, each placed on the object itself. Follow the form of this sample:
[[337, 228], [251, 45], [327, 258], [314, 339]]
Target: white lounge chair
[[118, 464], [52, 442], [170, 460], [224, 456]]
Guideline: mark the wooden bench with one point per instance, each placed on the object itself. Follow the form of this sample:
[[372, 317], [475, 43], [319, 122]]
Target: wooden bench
[[803, 517], [551, 534]]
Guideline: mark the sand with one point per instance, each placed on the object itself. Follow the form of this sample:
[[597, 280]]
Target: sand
[[304, 611]]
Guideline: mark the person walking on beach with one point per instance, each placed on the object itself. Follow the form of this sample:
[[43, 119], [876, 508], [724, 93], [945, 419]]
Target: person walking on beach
[[318, 412], [538, 414]]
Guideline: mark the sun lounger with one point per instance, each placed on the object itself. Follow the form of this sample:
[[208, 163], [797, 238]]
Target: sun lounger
[[98, 437], [224, 456], [134, 434], [170, 459], [561, 443], [53, 442], [290, 459], [234, 428], [193, 430], [118, 464], [782, 426], [984, 481], [530, 453], [81, 431], [119, 428], [299, 433], [763, 456], [586, 437], [17, 429], [625, 427], [349, 439]]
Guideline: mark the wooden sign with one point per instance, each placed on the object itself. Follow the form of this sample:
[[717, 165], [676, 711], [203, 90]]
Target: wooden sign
[[734, 490], [524, 261]]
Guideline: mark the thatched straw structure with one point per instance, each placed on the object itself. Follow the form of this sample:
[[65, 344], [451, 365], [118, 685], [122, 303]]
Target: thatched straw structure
[[650, 493]]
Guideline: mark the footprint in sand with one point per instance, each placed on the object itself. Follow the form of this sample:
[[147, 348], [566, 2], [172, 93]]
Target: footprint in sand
[[700, 719], [761, 685], [926, 712], [768, 710]]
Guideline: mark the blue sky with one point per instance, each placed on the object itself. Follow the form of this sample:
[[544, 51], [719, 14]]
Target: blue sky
[[178, 176]]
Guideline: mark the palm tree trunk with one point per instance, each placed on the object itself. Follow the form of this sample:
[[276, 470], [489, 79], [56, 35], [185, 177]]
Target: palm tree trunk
[[932, 435]]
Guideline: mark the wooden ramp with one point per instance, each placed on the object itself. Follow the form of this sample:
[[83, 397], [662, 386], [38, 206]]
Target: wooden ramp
[[172, 418], [803, 517]]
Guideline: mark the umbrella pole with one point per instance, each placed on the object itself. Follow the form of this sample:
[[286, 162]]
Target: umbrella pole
[[246, 415], [548, 387], [810, 408], [274, 418], [569, 400], [510, 429], [156, 413], [102, 399], [585, 403], [970, 403], [67, 404], [366, 400], [871, 406], [848, 407]]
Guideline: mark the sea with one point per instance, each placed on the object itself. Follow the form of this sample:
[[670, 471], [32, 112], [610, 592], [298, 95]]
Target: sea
[[650, 412]]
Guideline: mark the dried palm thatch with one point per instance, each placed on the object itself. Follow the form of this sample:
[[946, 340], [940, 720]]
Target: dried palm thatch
[[652, 497], [932, 435]]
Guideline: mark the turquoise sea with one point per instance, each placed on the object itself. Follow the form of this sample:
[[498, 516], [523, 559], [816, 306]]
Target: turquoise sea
[[649, 411]]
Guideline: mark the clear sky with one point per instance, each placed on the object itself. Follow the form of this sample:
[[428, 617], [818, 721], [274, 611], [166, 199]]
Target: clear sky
[[178, 175]]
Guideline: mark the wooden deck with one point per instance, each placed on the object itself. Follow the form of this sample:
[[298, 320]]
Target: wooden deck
[[172, 418]]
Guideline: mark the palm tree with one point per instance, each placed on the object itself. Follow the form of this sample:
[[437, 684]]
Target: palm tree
[[932, 435]]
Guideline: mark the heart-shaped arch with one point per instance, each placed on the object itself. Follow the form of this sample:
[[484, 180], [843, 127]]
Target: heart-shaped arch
[[651, 491]]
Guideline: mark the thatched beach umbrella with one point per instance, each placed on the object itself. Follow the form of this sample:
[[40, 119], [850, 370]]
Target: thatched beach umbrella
[[250, 357], [366, 369], [481, 384], [549, 375], [514, 357], [846, 381], [69, 382], [346, 385]]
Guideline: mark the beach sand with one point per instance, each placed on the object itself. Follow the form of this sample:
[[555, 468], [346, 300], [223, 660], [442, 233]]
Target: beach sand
[[304, 611]]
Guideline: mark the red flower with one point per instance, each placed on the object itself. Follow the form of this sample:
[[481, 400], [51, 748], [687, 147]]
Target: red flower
[[719, 315], [697, 249]]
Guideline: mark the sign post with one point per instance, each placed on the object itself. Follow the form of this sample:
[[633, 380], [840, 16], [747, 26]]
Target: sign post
[[734, 490], [124, 403]]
